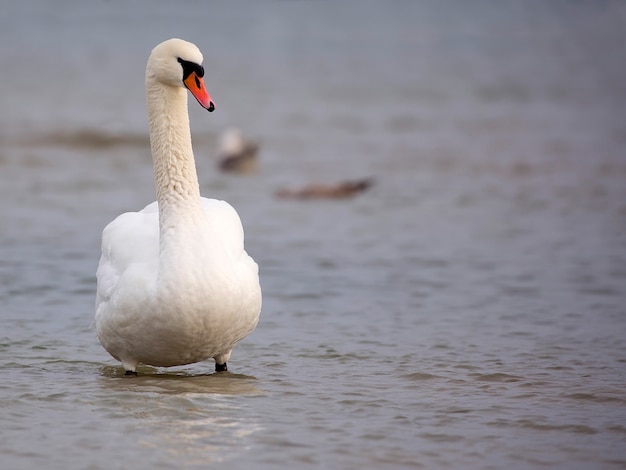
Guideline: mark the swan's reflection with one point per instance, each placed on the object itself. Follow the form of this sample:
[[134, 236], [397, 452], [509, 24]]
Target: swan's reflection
[[197, 417], [153, 380]]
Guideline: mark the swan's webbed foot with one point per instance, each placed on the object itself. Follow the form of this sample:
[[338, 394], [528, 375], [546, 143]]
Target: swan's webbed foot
[[130, 373], [221, 367]]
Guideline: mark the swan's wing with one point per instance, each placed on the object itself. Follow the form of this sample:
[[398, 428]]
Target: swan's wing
[[227, 224], [130, 246], [230, 230]]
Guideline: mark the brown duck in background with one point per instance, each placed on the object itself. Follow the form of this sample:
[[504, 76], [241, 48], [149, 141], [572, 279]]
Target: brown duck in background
[[341, 190]]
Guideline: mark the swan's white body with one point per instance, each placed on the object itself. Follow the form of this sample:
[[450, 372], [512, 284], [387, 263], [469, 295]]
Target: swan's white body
[[175, 285]]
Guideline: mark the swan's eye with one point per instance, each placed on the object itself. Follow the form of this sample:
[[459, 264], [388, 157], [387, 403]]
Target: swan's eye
[[190, 67]]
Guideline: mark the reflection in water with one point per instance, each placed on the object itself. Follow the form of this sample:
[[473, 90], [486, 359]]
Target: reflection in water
[[200, 439], [190, 417], [180, 382]]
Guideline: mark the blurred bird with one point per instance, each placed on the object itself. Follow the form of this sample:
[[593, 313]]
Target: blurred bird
[[237, 154], [341, 190]]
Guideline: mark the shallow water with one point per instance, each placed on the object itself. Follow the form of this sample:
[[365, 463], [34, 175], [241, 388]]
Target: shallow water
[[466, 312]]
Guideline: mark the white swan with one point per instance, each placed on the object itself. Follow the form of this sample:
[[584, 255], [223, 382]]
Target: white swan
[[175, 285]]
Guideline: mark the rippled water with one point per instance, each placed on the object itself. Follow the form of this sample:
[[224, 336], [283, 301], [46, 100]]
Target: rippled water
[[469, 311]]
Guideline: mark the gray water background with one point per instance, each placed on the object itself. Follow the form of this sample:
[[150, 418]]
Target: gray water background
[[469, 311]]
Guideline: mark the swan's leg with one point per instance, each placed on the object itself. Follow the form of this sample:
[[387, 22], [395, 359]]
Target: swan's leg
[[129, 368], [220, 362]]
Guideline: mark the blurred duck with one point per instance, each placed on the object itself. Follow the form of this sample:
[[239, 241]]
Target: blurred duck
[[342, 190], [237, 154]]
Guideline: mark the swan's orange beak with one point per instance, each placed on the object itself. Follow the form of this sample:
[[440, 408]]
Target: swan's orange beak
[[195, 85]]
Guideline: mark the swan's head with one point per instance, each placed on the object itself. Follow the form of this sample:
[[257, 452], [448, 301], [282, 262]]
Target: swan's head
[[178, 63]]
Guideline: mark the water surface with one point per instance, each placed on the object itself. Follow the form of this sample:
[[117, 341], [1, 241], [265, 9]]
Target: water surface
[[466, 312]]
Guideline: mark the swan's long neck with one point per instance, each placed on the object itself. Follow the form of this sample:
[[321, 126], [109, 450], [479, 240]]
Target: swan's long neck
[[178, 194], [175, 174]]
